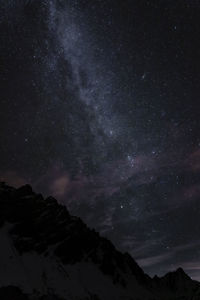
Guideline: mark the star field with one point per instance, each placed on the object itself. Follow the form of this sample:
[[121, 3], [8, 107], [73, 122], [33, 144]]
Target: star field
[[100, 108]]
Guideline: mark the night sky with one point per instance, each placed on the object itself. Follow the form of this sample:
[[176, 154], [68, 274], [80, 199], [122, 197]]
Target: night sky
[[99, 106]]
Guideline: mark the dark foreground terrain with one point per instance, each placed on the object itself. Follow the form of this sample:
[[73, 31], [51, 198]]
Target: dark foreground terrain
[[46, 253]]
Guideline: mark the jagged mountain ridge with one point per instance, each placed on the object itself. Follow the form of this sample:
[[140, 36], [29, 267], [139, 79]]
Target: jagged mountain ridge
[[48, 254]]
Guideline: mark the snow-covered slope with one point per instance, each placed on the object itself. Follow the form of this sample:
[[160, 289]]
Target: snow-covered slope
[[48, 254]]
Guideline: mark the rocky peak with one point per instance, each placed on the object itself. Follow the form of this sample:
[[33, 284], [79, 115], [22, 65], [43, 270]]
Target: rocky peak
[[44, 228]]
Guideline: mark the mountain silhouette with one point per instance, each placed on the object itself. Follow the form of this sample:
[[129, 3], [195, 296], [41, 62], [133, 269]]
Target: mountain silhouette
[[46, 253]]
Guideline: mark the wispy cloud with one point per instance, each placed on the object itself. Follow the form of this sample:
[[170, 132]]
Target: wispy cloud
[[153, 260]]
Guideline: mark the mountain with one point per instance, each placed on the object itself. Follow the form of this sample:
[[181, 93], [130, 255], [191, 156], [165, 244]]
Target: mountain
[[47, 254]]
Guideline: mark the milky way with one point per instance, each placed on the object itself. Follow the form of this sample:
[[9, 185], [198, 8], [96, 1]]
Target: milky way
[[100, 108]]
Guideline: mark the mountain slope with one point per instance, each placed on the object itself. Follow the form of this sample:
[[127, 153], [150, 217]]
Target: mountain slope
[[46, 253]]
